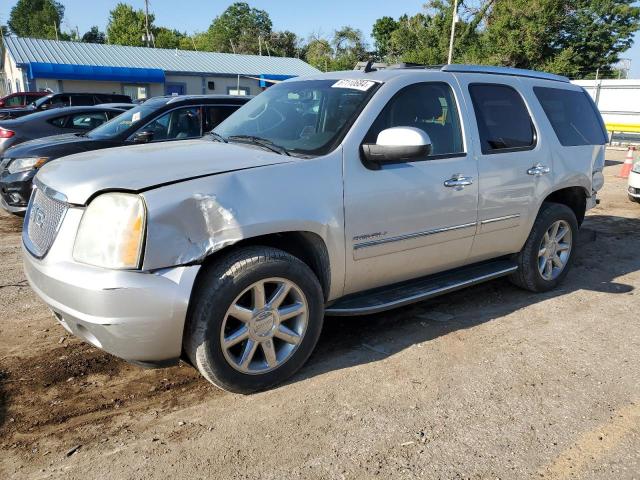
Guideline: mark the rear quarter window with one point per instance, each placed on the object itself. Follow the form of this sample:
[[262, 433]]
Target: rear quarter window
[[503, 120], [572, 115]]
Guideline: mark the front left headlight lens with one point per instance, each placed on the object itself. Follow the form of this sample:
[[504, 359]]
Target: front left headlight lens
[[111, 232], [26, 164]]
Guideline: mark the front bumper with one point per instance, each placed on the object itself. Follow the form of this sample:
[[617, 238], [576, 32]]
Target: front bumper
[[634, 185], [137, 316], [15, 190]]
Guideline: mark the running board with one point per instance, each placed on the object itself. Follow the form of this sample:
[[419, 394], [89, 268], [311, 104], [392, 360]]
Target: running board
[[405, 293]]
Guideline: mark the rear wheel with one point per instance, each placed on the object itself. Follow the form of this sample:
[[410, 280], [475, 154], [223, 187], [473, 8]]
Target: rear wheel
[[548, 253], [255, 318]]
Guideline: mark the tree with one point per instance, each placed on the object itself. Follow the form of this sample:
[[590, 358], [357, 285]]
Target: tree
[[36, 18], [320, 54], [349, 48], [239, 29], [382, 31], [94, 35], [598, 31], [167, 38], [284, 44], [127, 26]]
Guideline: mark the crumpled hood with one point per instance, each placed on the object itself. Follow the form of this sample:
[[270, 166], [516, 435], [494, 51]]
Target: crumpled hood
[[140, 167]]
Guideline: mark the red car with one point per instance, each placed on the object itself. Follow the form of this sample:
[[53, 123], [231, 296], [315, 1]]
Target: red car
[[20, 99]]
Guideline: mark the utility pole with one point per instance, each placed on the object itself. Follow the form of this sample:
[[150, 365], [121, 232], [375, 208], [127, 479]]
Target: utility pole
[[146, 21], [454, 20], [56, 29]]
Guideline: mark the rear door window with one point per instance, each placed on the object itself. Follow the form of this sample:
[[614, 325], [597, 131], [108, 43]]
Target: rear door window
[[503, 120], [16, 101], [572, 115], [87, 121], [82, 100], [214, 115]]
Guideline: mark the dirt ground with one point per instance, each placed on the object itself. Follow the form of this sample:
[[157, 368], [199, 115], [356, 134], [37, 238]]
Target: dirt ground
[[490, 382]]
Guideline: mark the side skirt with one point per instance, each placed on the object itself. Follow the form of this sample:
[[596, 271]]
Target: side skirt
[[417, 290]]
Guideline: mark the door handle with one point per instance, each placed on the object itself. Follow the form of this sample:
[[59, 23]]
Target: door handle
[[458, 181], [538, 170]]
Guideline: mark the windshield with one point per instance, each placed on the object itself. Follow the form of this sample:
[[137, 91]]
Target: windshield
[[40, 101], [122, 122], [305, 117]]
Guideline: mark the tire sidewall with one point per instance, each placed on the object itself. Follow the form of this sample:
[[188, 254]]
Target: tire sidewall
[[210, 358], [551, 214]]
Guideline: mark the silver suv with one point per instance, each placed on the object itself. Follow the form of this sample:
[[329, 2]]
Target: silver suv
[[345, 193]]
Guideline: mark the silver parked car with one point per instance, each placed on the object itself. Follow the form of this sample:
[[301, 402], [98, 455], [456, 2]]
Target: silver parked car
[[344, 193]]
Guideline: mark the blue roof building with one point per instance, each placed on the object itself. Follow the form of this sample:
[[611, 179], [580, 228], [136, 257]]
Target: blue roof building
[[28, 64]]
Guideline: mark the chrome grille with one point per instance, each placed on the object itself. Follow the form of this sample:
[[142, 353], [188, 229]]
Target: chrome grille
[[44, 217]]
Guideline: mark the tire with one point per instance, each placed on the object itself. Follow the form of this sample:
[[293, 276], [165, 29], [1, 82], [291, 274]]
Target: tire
[[234, 282], [531, 275]]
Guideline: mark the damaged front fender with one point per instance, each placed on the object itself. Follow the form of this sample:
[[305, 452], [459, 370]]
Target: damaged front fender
[[189, 221]]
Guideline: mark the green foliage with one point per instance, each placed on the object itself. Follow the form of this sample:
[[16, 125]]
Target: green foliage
[[36, 18], [284, 44], [94, 35], [320, 54], [570, 37], [127, 26], [239, 29], [382, 31]]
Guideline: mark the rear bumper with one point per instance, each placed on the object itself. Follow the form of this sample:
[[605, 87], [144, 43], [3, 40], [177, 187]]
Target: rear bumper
[[136, 316]]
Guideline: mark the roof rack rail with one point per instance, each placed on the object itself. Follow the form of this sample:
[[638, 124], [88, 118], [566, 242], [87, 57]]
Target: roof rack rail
[[517, 72]]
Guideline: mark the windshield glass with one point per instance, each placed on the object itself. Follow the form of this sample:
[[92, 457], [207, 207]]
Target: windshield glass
[[305, 117], [40, 101], [122, 122]]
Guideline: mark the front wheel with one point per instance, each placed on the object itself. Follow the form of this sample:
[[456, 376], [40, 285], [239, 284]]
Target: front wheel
[[255, 318], [547, 255]]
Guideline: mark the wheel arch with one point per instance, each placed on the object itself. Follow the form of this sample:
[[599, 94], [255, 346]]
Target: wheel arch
[[573, 197], [309, 247]]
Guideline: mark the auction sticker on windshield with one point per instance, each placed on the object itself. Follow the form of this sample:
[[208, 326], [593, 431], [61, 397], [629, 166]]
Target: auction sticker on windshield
[[362, 85], [135, 117]]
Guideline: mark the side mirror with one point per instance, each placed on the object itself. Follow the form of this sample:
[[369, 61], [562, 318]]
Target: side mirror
[[143, 137], [398, 144]]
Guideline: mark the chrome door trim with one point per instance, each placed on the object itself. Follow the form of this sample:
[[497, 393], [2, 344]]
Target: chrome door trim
[[500, 219], [409, 236]]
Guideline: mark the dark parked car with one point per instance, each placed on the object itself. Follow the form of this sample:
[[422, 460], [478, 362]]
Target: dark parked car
[[20, 99], [53, 122], [57, 100], [159, 119]]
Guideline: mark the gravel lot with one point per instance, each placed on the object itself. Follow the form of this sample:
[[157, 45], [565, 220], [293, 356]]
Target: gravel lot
[[490, 382]]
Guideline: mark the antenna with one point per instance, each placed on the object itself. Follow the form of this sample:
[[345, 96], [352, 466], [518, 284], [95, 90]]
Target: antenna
[[368, 68]]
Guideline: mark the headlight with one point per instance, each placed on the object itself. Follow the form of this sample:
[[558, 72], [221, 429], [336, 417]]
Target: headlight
[[26, 164], [111, 232]]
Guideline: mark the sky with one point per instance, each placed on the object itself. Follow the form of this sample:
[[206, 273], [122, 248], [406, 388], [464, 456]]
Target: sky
[[304, 17]]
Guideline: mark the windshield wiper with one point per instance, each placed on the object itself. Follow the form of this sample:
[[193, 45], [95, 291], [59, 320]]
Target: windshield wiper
[[263, 142], [218, 137]]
